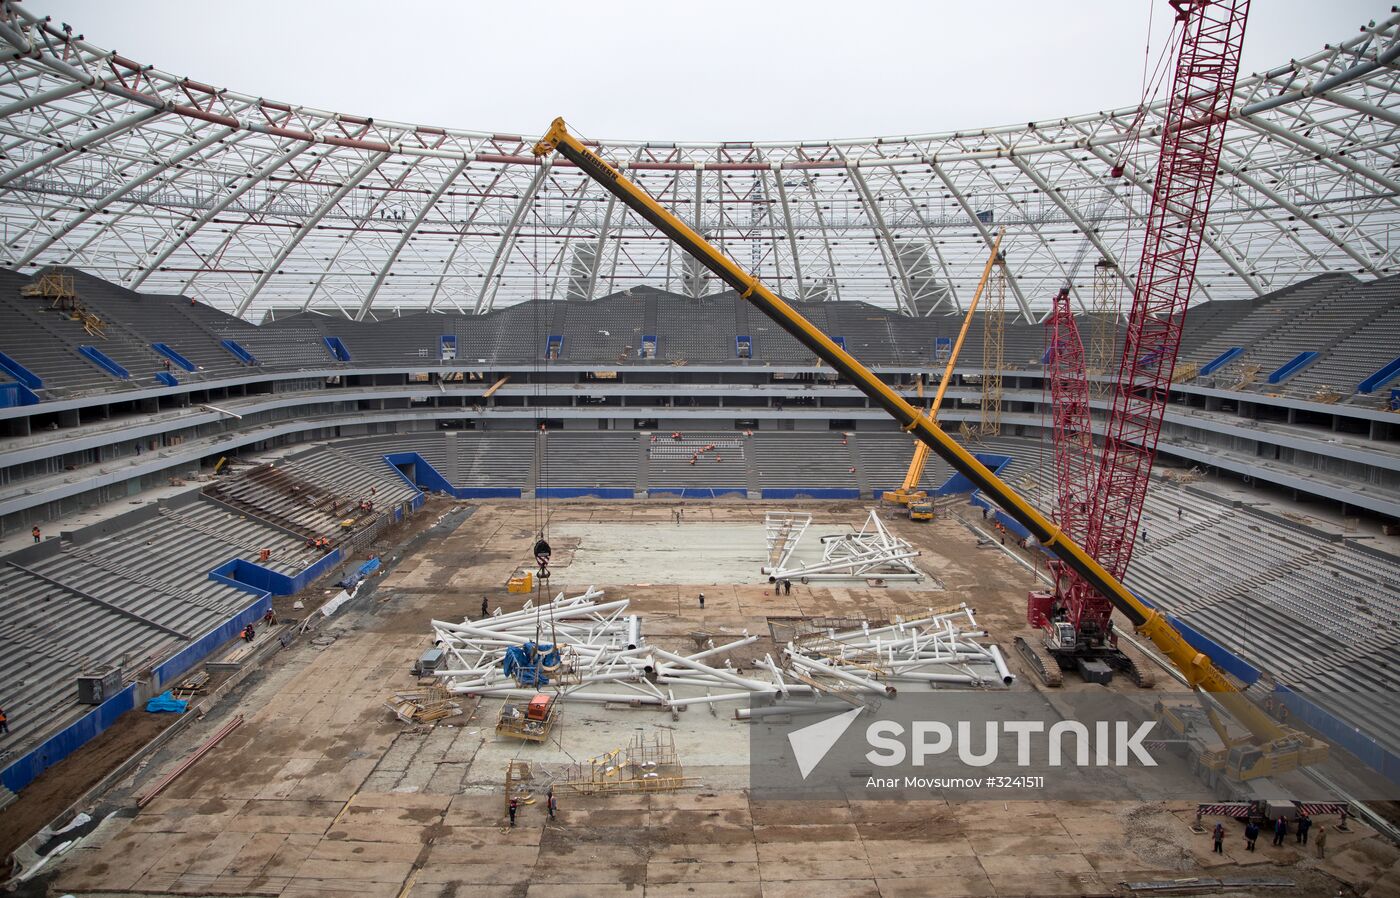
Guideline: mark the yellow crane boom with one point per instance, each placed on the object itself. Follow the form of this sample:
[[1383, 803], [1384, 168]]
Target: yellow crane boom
[[1200, 672], [909, 491]]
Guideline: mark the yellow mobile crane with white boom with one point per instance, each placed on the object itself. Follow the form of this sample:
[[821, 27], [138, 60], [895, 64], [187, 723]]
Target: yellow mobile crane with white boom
[[1270, 749], [909, 495]]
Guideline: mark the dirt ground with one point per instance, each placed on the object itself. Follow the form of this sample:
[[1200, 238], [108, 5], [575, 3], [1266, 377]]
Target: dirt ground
[[321, 792], [65, 782]]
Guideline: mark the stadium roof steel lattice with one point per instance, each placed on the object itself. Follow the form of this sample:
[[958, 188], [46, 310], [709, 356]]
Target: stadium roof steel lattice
[[168, 185]]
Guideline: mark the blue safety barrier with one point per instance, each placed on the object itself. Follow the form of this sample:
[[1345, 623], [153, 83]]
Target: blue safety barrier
[[166, 350], [238, 352], [167, 378], [1292, 367], [1380, 378], [1221, 360], [337, 349], [21, 373], [101, 360]]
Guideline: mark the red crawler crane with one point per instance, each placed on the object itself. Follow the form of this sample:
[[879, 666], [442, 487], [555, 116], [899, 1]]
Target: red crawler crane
[[1075, 617]]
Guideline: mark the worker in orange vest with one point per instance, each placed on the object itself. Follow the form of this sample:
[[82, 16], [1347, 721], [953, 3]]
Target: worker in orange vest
[[36, 533], [4, 723]]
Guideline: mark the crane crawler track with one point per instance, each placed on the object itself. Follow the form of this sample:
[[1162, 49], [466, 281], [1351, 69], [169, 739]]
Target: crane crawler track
[[1041, 662]]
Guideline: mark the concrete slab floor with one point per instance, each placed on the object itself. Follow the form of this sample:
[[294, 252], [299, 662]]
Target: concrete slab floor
[[689, 552], [322, 792]]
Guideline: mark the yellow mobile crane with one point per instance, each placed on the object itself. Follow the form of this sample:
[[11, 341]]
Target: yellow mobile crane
[[909, 495], [1269, 749]]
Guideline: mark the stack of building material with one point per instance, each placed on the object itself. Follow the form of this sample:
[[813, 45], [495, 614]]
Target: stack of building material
[[423, 705]]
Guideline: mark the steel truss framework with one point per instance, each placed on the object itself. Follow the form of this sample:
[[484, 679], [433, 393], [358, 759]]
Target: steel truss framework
[[170, 185]]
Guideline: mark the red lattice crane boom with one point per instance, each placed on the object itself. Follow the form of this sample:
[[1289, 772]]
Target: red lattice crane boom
[[1076, 618]]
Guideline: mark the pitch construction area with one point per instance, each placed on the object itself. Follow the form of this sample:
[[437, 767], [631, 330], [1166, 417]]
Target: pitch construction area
[[322, 791]]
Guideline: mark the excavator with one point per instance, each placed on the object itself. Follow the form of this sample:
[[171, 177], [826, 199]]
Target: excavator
[[1269, 748], [909, 495]]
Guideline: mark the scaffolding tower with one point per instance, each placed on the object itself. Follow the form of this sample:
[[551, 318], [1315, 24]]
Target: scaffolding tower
[[993, 356], [1103, 329]]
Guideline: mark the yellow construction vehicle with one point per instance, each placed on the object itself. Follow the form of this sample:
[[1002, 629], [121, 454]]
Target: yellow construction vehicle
[[909, 492], [921, 509], [1270, 747]]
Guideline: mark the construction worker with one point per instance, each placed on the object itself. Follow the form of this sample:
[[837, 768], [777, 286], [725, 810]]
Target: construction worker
[[36, 533], [1218, 834], [485, 608], [5, 730], [511, 809], [702, 601], [1304, 824], [264, 554], [1251, 834], [249, 633], [550, 803], [270, 618], [1280, 829], [1321, 841]]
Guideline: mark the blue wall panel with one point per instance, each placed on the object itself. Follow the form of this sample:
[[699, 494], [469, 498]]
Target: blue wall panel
[[697, 492], [811, 493], [13, 395], [199, 649], [68, 740], [428, 478], [960, 484], [579, 492], [254, 578], [1349, 737]]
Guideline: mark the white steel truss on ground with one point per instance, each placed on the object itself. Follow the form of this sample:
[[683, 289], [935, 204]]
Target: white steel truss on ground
[[603, 657], [872, 552], [166, 184]]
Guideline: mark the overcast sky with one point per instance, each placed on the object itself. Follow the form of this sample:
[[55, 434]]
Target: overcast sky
[[707, 69]]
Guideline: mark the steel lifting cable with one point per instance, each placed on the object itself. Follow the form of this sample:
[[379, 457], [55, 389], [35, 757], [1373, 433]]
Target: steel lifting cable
[[542, 551]]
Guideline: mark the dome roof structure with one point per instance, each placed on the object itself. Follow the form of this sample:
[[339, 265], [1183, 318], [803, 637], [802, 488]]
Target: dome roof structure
[[169, 185]]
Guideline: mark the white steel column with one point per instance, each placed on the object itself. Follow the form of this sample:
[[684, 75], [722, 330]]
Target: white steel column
[[407, 234], [986, 236], [878, 219], [306, 228], [248, 184], [487, 297]]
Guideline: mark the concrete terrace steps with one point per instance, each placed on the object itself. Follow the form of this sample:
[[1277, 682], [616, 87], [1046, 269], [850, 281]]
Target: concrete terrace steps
[[669, 464], [101, 561], [246, 534]]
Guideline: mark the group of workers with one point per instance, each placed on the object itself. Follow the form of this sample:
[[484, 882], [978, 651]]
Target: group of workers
[[319, 542], [550, 805], [269, 620], [1301, 829]]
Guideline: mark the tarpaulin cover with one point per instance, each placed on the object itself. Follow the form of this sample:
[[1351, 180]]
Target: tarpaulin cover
[[166, 702], [527, 662]]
